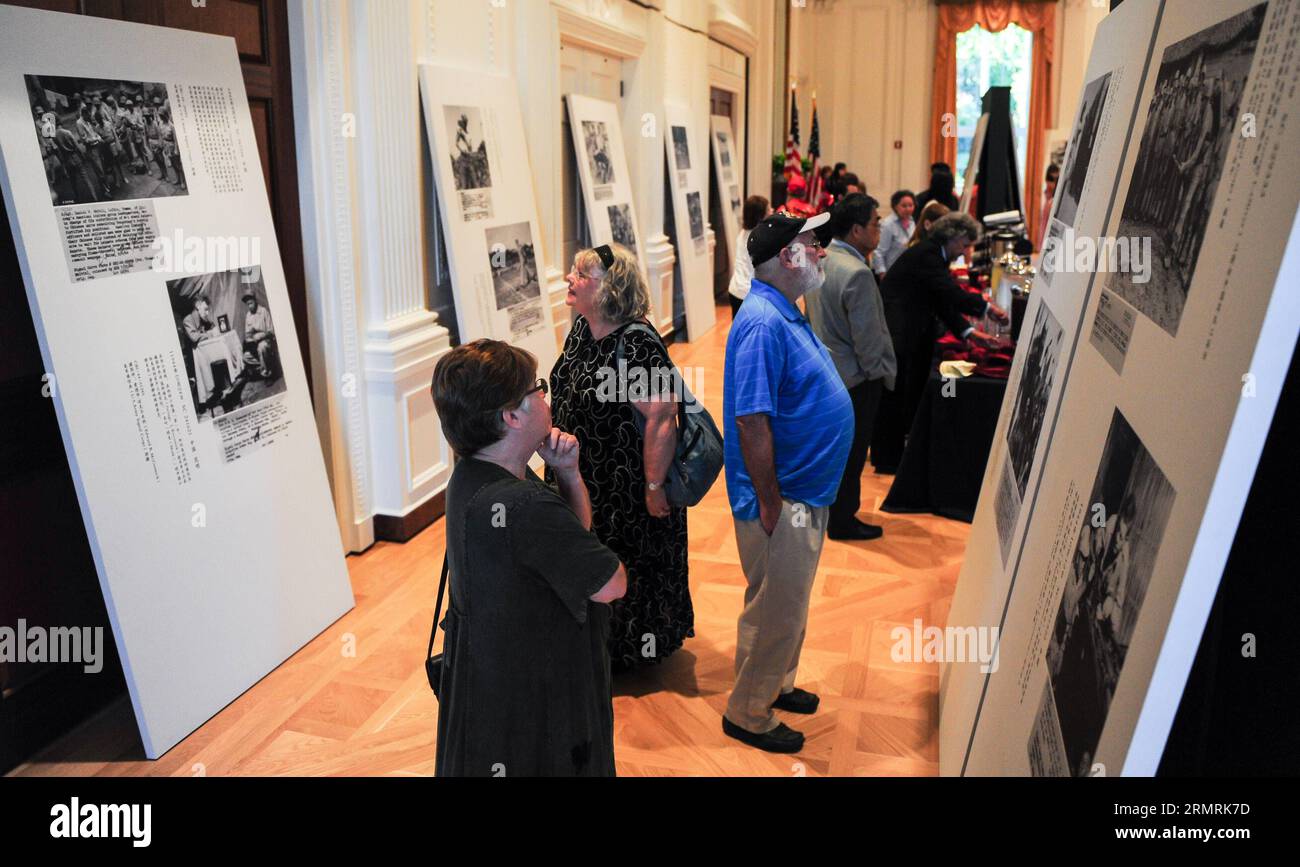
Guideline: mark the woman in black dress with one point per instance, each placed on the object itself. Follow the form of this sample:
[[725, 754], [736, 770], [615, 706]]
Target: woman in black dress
[[624, 470]]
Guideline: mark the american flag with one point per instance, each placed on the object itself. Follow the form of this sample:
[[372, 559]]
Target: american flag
[[814, 151], [793, 162]]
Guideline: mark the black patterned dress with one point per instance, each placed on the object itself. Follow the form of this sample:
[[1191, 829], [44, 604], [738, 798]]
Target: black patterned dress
[[658, 599]]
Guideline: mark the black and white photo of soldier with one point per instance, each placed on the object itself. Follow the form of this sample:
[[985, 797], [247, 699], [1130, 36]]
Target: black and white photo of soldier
[[1190, 122], [1106, 583], [1032, 393], [735, 199], [724, 149], [232, 366], [469, 156], [681, 149], [596, 139], [620, 226], [1082, 143], [513, 264], [696, 215], [105, 140]]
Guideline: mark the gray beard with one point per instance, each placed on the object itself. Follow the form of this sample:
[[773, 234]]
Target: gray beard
[[810, 278]]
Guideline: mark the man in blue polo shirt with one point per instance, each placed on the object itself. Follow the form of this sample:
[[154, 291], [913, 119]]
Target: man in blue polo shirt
[[788, 424]]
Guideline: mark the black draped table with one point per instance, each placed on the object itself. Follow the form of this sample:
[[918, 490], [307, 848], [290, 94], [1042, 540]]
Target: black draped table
[[943, 464]]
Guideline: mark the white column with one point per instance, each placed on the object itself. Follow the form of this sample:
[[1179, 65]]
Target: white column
[[645, 99], [318, 34]]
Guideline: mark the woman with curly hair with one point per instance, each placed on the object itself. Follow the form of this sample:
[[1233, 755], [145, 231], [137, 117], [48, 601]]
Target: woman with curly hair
[[612, 382]]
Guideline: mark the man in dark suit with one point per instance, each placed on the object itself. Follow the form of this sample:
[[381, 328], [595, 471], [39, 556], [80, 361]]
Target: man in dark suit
[[917, 290], [847, 314]]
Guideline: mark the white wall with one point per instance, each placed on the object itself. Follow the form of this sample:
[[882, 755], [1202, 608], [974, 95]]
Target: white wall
[[368, 208]]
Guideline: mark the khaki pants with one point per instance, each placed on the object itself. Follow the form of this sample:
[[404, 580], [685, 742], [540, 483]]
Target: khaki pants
[[779, 570]]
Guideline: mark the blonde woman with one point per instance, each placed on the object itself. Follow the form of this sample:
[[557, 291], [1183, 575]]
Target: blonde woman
[[625, 470]]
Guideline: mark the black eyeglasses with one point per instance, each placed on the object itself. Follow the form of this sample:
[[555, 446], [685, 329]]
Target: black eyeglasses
[[541, 386]]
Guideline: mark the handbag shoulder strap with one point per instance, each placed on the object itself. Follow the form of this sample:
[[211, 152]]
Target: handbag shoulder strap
[[437, 611], [686, 396]]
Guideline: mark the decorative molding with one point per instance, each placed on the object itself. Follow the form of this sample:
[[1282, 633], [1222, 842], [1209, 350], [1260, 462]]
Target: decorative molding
[[730, 30], [437, 472], [388, 104], [660, 260], [579, 29]]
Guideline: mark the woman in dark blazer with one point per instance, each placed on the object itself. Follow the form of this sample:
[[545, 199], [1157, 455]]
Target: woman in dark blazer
[[917, 290]]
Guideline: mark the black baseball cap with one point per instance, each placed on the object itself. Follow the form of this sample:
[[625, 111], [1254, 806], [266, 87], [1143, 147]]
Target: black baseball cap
[[773, 234]]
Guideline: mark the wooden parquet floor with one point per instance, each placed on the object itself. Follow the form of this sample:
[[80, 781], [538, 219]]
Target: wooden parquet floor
[[355, 701]]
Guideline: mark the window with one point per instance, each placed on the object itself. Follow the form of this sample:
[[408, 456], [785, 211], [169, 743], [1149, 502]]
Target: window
[[987, 60]]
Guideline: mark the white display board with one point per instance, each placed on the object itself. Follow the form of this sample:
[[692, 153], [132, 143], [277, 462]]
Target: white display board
[[729, 182], [607, 184], [688, 178], [193, 448], [489, 213], [1140, 397]]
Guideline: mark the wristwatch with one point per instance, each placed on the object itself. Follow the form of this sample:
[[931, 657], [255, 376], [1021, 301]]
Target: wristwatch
[[653, 486]]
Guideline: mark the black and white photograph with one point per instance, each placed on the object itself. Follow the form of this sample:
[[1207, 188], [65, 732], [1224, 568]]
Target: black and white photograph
[[105, 140], [696, 214], [681, 149], [227, 340], [596, 138], [1106, 583], [1028, 410], [513, 264], [1189, 124], [724, 149], [620, 226], [469, 156], [735, 199], [1082, 143], [1037, 376]]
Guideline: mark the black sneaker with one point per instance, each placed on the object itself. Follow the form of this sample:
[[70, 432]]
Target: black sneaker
[[797, 701], [781, 739]]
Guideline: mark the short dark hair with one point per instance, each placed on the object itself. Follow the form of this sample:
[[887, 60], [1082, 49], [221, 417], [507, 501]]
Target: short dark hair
[[839, 167], [473, 384], [855, 209], [899, 195], [754, 211], [940, 167], [851, 179], [248, 297], [942, 183], [1052, 169]]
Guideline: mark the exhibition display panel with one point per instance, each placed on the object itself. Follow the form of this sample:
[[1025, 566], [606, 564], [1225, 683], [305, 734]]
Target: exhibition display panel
[[1161, 332], [688, 179], [141, 220], [489, 213]]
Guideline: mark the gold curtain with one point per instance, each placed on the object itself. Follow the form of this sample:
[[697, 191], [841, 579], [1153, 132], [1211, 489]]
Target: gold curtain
[[1039, 18]]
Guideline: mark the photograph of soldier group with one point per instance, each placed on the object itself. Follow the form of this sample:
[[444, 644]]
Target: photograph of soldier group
[[105, 140], [1191, 120]]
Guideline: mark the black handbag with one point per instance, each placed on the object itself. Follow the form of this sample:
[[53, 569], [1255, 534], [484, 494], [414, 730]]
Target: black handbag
[[698, 457], [433, 664]]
